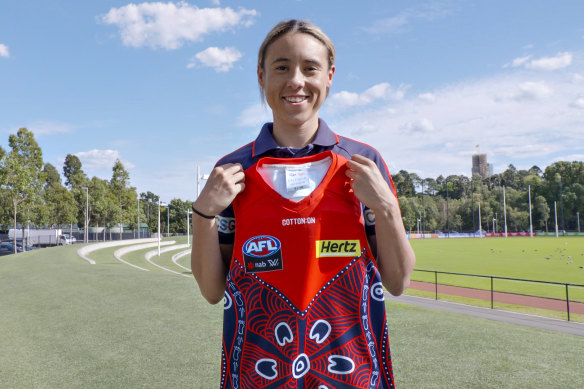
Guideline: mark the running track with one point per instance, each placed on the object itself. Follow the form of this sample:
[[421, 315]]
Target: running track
[[500, 297]]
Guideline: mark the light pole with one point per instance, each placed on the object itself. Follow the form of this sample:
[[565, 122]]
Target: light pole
[[480, 222], [160, 204], [168, 220], [530, 218], [188, 227], [505, 211], [138, 217], [85, 235], [200, 177], [578, 218]]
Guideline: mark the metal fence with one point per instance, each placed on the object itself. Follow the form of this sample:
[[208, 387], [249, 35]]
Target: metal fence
[[565, 286]]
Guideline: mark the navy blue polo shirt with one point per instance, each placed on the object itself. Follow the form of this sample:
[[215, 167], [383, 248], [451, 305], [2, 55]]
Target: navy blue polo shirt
[[265, 146]]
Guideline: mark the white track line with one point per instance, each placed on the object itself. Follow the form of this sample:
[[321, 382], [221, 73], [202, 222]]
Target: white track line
[[176, 256], [125, 250], [85, 250], [152, 253]]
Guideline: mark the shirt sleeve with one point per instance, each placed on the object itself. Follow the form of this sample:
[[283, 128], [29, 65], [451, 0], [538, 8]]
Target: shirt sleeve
[[226, 226]]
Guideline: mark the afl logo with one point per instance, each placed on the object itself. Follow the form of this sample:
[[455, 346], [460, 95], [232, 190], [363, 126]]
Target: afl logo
[[262, 253]]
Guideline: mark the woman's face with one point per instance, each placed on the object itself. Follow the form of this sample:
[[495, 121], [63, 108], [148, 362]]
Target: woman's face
[[296, 79]]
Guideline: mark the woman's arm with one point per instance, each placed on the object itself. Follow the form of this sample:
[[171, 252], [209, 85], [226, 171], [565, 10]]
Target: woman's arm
[[395, 256], [208, 257]]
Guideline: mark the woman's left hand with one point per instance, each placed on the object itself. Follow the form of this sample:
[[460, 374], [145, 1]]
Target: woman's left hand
[[368, 184]]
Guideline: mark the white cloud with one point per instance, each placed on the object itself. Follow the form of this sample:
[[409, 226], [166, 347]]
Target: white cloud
[[50, 128], [4, 52], [428, 97], [422, 125], [382, 91], [254, 116], [169, 25], [513, 117], [221, 60], [400, 22], [530, 90], [560, 61], [578, 103], [101, 159]]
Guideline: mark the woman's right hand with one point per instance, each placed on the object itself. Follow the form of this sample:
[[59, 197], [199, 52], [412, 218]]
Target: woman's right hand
[[224, 183]]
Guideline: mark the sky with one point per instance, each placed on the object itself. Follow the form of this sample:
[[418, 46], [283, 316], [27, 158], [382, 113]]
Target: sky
[[166, 87]]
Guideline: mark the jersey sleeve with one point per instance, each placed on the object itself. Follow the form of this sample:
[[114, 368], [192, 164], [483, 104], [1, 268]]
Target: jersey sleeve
[[226, 226]]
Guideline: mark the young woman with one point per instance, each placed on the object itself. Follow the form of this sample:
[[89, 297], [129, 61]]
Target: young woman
[[297, 232]]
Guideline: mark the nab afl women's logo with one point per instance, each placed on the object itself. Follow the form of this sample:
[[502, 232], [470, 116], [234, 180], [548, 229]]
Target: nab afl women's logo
[[262, 253]]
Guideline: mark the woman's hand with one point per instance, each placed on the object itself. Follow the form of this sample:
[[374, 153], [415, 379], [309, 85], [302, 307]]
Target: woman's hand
[[224, 183], [395, 257], [369, 185]]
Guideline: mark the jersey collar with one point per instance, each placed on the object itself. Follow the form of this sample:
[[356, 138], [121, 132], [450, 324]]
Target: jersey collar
[[265, 143]]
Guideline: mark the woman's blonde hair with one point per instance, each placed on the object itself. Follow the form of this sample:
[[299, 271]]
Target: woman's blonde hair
[[293, 26]]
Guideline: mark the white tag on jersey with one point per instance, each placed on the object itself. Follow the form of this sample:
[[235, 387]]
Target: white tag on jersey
[[295, 182], [297, 179]]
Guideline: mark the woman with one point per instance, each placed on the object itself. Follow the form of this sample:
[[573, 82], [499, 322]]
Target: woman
[[318, 230]]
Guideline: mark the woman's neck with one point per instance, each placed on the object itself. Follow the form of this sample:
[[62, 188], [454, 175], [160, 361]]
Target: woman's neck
[[295, 136]]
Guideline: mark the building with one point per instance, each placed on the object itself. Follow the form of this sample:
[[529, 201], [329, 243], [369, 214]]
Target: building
[[480, 165]]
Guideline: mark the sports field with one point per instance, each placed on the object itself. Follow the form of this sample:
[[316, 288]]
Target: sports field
[[66, 323], [559, 260]]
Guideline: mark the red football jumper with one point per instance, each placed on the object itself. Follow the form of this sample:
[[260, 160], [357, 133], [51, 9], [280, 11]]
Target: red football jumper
[[304, 303]]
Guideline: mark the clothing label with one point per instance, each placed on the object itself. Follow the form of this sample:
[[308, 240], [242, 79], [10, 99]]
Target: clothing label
[[297, 178]]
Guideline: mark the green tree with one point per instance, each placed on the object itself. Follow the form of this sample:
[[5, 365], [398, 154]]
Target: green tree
[[21, 178], [126, 197]]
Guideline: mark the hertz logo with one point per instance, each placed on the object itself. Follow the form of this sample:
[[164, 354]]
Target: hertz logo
[[338, 248]]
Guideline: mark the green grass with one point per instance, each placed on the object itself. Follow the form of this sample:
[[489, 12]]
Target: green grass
[[65, 323], [541, 259]]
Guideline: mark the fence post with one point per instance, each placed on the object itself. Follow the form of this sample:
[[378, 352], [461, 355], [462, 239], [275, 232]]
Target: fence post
[[568, 302], [436, 283]]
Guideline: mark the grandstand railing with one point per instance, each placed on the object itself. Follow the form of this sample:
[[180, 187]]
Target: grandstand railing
[[492, 289]]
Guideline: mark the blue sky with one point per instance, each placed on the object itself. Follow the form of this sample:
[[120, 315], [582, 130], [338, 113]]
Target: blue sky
[[167, 86]]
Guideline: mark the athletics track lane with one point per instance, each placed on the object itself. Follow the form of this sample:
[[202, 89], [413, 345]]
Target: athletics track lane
[[500, 297]]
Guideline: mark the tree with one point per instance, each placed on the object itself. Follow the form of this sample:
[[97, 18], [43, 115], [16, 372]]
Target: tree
[[178, 215], [125, 195], [61, 205], [74, 175], [22, 179], [149, 207]]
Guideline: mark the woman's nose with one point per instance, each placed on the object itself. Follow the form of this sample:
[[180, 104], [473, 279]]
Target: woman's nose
[[296, 78]]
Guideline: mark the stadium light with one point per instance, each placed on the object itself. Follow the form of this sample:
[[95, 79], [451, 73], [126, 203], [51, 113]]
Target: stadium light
[[200, 177], [85, 235]]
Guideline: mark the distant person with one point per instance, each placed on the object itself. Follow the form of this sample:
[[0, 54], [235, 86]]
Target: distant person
[[297, 232]]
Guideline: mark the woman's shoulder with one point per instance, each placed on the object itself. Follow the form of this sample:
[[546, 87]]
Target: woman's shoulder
[[242, 155], [351, 146]]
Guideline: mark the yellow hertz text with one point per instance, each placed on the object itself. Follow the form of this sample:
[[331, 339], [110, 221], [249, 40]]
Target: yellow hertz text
[[338, 248]]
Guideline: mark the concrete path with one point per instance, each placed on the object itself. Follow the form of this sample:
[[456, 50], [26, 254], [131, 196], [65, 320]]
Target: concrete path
[[540, 322], [85, 250]]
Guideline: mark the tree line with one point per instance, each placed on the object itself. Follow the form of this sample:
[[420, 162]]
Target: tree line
[[31, 192], [452, 203]]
